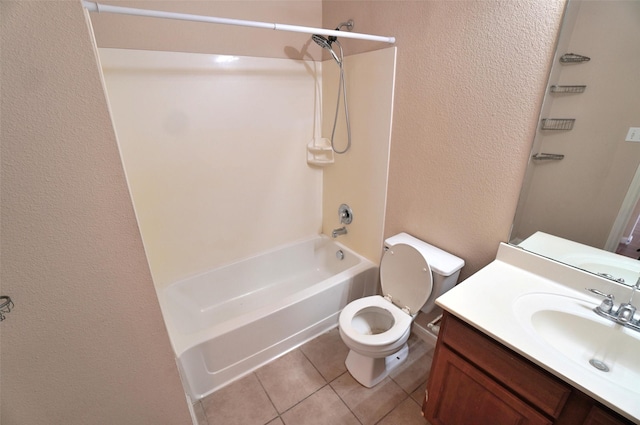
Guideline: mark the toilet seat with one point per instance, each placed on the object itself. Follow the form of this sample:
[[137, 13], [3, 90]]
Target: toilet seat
[[401, 321], [406, 278]]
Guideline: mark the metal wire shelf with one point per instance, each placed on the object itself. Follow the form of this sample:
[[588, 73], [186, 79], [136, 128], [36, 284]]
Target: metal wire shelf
[[542, 156], [5, 306], [573, 58], [567, 89], [557, 123]]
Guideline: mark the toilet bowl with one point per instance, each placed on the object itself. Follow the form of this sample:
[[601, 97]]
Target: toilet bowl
[[376, 328]]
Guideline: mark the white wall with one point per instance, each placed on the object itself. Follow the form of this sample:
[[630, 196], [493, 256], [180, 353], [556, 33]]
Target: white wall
[[215, 153], [359, 176]]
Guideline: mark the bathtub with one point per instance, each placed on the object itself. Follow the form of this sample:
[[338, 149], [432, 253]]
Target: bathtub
[[231, 320]]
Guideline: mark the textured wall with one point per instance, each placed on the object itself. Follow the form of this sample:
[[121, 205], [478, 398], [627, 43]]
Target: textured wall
[[85, 343], [469, 84], [176, 36], [579, 197]]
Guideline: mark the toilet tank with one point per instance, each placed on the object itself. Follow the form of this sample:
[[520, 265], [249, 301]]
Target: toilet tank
[[445, 267]]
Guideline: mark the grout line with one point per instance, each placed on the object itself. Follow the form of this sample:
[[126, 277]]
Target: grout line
[[280, 414], [314, 366], [269, 397], [394, 408], [328, 383], [342, 400]]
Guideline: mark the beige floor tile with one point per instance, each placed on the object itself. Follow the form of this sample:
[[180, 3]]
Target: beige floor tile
[[407, 413], [368, 404], [276, 421], [327, 353], [289, 379], [418, 394], [415, 370], [243, 402], [322, 408]]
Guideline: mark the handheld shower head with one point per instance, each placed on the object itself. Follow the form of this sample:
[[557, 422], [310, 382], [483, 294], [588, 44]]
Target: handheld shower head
[[321, 41], [326, 44]]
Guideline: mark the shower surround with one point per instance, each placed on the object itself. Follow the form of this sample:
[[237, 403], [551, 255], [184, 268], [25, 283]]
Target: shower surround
[[214, 149]]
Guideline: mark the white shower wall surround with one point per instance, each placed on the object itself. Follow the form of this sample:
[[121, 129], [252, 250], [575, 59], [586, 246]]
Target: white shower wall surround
[[214, 151], [214, 148]]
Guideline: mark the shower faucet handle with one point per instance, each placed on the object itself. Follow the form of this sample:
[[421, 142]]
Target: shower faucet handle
[[345, 214]]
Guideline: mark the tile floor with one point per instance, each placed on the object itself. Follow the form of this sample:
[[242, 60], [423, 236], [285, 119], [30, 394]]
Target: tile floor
[[311, 386]]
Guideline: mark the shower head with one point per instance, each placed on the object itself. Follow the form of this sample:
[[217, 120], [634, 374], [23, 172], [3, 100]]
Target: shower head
[[321, 41], [349, 24], [326, 44]]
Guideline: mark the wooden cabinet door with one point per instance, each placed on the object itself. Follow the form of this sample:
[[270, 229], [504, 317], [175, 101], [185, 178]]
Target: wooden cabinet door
[[460, 394], [598, 416]]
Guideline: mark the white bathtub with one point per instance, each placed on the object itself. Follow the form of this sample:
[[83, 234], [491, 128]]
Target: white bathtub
[[229, 321]]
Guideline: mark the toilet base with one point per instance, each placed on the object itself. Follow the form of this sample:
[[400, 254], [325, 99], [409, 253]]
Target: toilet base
[[370, 371]]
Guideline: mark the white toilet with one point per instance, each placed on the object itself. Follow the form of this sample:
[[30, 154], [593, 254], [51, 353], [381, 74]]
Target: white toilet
[[376, 328]]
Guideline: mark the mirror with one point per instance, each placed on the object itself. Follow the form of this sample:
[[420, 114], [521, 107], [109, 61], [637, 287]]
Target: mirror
[[582, 183]]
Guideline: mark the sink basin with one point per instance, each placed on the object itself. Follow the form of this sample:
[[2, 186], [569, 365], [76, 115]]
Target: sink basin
[[569, 326]]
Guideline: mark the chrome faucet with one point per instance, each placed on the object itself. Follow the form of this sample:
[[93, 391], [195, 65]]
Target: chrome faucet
[[337, 232], [346, 217], [624, 314], [627, 310]]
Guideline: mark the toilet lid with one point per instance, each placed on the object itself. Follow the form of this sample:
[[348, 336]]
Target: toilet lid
[[406, 276]]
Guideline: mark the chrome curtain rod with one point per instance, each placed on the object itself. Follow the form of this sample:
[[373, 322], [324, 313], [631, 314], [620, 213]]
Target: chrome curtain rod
[[105, 8]]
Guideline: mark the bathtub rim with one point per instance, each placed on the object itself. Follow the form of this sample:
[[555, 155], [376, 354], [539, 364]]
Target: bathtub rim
[[180, 342]]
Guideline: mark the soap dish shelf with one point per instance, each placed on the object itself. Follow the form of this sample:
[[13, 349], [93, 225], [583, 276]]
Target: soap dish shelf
[[320, 152]]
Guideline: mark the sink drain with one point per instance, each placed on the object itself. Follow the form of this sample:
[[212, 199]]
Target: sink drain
[[598, 364]]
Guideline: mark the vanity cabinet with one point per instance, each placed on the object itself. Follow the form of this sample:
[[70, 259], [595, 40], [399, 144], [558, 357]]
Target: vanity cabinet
[[475, 380]]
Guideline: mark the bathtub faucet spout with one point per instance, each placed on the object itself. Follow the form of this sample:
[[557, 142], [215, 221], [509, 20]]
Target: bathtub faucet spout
[[338, 232]]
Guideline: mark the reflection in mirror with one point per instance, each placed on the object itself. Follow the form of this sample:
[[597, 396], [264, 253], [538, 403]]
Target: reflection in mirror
[[607, 264], [586, 191]]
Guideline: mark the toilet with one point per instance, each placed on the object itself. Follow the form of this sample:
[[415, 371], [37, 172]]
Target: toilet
[[376, 328]]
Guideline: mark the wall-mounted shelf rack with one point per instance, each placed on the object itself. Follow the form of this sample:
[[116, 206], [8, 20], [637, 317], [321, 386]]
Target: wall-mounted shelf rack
[[567, 89], [5, 306], [547, 156], [573, 58], [557, 123], [320, 152]]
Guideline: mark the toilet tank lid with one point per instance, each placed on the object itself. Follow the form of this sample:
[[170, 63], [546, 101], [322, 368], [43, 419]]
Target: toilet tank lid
[[440, 261]]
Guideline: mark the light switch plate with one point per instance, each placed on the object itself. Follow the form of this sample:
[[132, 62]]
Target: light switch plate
[[633, 135]]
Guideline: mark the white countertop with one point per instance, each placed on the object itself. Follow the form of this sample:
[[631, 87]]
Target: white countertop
[[486, 301]]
